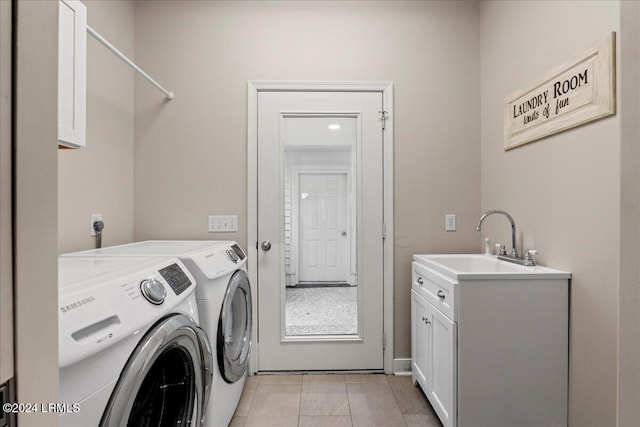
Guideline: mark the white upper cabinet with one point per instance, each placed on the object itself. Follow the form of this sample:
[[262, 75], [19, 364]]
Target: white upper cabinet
[[72, 73]]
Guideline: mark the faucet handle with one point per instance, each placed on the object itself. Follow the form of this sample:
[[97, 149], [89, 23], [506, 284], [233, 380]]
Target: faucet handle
[[528, 257]]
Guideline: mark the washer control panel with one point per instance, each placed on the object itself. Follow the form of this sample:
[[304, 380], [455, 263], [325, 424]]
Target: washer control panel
[[176, 278], [153, 291], [103, 300]]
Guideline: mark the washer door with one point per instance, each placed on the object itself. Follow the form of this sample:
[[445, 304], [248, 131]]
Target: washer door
[[234, 328], [167, 379]]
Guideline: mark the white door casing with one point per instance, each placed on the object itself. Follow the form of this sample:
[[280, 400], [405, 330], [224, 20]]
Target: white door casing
[[386, 90]]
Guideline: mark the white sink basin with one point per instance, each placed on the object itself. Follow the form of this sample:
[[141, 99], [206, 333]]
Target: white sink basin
[[474, 266]]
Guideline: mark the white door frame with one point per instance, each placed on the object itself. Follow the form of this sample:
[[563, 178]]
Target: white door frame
[[386, 88]]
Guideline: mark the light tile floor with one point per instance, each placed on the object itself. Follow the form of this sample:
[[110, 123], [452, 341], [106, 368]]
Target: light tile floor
[[309, 400]]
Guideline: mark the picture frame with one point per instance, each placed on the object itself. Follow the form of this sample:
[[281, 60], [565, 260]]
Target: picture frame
[[579, 91]]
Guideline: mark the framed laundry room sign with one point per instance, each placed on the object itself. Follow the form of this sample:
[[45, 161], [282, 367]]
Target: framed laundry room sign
[[579, 91]]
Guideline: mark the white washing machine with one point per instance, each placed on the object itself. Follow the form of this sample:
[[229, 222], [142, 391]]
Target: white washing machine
[[130, 350], [224, 303]]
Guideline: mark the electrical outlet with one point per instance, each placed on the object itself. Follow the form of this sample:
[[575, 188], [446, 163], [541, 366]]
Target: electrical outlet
[[450, 222], [94, 218], [223, 223]]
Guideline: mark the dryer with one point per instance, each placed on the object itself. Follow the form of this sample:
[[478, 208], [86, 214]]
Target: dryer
[[224, 303], [130, 349]]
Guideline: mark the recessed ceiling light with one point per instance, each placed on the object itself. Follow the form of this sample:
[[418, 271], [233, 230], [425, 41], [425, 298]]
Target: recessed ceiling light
[[334, 126]]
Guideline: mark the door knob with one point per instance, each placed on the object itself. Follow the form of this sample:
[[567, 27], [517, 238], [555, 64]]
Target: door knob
[[344, 233], [265, 245]]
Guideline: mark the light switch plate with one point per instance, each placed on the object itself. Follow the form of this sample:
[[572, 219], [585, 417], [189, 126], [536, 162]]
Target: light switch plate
[[223, 223], [450, 222]]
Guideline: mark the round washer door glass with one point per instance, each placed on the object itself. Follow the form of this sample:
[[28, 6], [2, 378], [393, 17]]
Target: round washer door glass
[[234, 328], [166, 381]]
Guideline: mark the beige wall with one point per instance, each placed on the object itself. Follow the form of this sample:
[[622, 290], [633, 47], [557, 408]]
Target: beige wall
[[629, 317], [99, 178], [564, 190], [191, 155], [35, 203], [6, 224]]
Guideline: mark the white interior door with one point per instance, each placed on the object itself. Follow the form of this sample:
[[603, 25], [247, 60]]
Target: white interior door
[[316, 136], [323, 224]]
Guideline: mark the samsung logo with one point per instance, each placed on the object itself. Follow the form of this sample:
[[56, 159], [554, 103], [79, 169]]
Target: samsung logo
[[77, 304]]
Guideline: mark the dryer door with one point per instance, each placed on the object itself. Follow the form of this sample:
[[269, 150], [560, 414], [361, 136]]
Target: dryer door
[[234, 328], [167, 379]]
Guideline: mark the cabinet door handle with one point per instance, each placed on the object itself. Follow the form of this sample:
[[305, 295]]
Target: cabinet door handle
[[420, 281], [441, 294]]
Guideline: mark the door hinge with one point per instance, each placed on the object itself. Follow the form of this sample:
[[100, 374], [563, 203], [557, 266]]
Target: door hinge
[[384, 117], [384, 341], [384, 231]]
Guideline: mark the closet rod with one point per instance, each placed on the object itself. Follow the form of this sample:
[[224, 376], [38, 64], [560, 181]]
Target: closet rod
[[130, 63]]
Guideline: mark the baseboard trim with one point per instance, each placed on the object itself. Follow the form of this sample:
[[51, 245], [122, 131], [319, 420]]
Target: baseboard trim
[[402, 366]]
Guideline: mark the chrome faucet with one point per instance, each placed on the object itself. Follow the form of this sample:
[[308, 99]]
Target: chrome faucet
[[514, 246]]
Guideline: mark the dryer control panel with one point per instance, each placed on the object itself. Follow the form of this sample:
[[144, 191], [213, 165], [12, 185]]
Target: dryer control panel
[[235, 253], [236, 248]]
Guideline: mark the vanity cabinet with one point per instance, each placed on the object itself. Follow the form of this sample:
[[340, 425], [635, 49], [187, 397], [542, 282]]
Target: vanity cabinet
[[491, 349], [72, 73], [419, 340], [433, 356]]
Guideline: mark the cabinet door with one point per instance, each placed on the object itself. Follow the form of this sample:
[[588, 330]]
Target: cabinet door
[[419, 340], [72, 73], [442, 375]]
